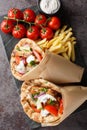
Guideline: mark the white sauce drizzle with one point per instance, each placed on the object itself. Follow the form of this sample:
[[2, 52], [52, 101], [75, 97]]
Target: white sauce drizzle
[[30, 58], [45, 97], [20, 68], [44, 113]]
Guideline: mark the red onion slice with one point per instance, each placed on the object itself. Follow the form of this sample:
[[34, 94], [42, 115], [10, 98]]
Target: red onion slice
[[42, 93]]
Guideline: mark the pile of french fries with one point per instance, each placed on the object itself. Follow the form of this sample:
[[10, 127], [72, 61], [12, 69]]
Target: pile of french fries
[[62, 43]]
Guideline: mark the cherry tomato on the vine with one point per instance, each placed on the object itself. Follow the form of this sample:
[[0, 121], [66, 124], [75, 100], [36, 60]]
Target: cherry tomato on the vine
[[29, 15], [7, 26], [54, 23], [38, 25], [40, 19], [15, 13], [19, 31], [33, 32], [46, 32]]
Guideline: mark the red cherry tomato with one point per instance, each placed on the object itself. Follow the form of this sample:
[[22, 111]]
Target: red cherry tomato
[[29, 15], [40, 19], [54, 23], [19, 31], [33, 33], [7, 26], [46, 32], [15, 13]]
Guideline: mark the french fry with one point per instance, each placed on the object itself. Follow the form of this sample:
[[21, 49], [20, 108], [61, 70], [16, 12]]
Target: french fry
[[74, 42], [67, 31], [58, 40], [62, 43], [41, 41], [69, 49], [63, 29], [57, 33], [55, 48], [45, 45], [67, 37], [72, 39], [50, 43], [60, 51], [65, 55]]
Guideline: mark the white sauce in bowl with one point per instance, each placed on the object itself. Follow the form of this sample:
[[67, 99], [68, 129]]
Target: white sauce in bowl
[[50, 6]]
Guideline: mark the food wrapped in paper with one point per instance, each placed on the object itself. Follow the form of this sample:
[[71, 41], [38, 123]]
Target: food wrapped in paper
[[56, 69], [49, 104], [25, 56]]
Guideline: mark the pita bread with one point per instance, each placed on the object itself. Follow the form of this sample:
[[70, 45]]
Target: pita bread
[[26, 101], [23, 53]]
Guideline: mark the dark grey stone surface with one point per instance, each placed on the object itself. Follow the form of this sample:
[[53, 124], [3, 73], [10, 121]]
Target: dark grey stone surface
[[12, 116]]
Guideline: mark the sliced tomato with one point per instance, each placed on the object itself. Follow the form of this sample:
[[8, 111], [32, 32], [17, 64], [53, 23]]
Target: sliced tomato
[[35, 109], [17, 59], [24, 60], [52, 109], [37, 55], [61, 107]]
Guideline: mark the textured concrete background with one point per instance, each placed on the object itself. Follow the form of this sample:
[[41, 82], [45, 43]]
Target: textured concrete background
[[12, 116], [11, 113], [7, 4]]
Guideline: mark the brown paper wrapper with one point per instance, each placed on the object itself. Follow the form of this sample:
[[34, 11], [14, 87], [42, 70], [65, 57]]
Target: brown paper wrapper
[[73, 97], [56, 69]]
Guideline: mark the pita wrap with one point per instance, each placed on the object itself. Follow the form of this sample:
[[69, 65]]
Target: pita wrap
[[25, 56], [50, 110], [56, 69]]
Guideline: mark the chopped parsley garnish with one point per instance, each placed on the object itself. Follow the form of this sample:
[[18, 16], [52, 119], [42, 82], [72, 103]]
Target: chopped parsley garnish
[[51, 102], [44, 89], [33, 96], [32, 63], [46, 82], [35, 99], [17, 48], [31, 49]]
